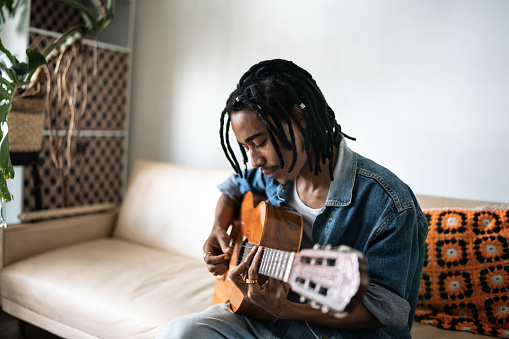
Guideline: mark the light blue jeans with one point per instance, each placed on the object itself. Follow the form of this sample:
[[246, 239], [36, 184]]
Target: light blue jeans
[[219, 322]]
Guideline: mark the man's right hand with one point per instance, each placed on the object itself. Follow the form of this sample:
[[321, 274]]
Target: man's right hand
[[217, 250]]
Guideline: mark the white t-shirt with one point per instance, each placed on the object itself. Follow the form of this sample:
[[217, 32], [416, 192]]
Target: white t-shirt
[[308, 215]]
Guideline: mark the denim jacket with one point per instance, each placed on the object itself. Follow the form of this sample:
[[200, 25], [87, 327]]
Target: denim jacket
[[371, 210]]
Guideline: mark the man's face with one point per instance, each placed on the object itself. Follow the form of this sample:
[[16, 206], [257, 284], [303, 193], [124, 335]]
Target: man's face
[[252, 135]]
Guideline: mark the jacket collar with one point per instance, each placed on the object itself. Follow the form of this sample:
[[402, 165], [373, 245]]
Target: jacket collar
[[341, 188]]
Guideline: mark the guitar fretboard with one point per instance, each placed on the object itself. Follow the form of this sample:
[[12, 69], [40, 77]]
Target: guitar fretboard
[[274, 263]]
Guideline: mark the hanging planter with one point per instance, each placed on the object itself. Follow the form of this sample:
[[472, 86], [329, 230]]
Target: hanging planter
[[26, 123], [28, 76]]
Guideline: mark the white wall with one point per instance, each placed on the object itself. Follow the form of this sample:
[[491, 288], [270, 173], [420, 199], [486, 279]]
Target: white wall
[[14, 32], [422, 84]]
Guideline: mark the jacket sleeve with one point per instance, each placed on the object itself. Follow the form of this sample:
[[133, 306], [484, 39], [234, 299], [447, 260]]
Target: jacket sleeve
[[393, 259], [235, 186]]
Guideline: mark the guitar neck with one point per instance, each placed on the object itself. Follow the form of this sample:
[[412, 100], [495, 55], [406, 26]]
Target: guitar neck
[[274, 263]]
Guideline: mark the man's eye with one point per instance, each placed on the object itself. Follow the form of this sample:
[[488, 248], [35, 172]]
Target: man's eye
[[262, 144]]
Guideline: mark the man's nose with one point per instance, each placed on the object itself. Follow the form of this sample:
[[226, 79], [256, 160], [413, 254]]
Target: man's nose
[[257, 159]]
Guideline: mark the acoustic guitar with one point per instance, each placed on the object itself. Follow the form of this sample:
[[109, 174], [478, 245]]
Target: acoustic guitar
[[333, 280]]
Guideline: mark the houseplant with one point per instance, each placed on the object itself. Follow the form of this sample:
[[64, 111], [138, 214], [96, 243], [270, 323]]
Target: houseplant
[[24, 79]]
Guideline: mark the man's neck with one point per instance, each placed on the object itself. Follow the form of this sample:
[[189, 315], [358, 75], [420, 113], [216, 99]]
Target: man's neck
[[313, 189]]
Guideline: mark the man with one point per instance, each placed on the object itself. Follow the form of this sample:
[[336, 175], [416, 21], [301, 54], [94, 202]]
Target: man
[[301, 161]]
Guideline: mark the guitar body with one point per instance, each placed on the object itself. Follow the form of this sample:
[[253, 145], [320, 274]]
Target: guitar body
[[265, 225]]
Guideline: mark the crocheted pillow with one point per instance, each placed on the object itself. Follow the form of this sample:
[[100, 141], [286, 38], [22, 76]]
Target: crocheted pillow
[[465, 279]]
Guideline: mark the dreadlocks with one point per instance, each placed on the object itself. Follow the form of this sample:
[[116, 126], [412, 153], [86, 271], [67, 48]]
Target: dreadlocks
[[271, 89]]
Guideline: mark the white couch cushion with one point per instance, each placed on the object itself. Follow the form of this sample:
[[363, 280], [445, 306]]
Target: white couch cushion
[[110, 288], [169, 206]]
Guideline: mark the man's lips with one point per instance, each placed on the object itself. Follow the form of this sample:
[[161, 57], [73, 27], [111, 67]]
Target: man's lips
[[269, 171]]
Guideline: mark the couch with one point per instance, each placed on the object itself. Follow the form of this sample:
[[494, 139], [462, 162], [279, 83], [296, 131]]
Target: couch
[[127, 272]]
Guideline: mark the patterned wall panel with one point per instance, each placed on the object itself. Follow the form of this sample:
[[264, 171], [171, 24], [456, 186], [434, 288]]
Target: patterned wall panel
[[95, 175], [53, 15], [107, 85], [97, 169]]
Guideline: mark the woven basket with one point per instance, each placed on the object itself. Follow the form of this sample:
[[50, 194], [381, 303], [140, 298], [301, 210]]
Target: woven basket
[[26, 122]]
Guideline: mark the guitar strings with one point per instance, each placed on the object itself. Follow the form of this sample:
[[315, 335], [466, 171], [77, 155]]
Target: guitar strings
[[270, 259]]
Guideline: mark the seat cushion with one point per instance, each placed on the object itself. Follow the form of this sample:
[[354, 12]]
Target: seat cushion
[[175, 204], [110, 288]]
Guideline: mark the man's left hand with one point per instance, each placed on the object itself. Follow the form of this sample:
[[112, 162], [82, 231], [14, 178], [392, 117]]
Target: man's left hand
[[270, 295]]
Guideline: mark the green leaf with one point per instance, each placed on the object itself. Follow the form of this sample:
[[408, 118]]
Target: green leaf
[[6, 86], [9, 5], [86, 13], [7, 89], [5, 159], [110, 6], [21, 68], [35, 60], [12, 75], [2, 18], [4, 190], [7, 53], [95, 3], [6, 94], [6, 196], [3, 66], [89, 22]]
